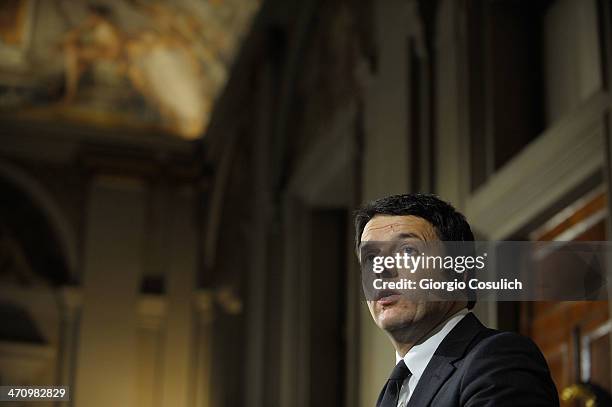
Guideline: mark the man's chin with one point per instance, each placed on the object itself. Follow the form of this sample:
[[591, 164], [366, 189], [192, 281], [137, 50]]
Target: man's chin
[[392, 318]]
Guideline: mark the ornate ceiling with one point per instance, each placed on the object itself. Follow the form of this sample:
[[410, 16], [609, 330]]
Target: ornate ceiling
[[119, 63]]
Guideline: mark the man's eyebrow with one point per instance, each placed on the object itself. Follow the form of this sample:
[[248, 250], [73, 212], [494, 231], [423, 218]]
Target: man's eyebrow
[[407, 235], [402, 235], [366, 244]]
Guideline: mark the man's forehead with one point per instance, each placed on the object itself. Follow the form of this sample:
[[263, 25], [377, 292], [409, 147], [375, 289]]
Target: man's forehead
[[382, 227]]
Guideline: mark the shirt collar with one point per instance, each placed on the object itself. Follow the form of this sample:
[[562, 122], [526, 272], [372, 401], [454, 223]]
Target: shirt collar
[[419, 355]]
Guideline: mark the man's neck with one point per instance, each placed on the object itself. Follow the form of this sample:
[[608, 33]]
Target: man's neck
[[402, 346]]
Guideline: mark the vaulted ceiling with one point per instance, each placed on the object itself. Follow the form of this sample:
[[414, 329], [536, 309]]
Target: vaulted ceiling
[[119, 63]]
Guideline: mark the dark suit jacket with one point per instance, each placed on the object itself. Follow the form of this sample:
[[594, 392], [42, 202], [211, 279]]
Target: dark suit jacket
[[478, 366]]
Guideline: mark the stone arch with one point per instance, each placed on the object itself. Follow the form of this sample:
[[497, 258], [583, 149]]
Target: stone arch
[[60, 230]]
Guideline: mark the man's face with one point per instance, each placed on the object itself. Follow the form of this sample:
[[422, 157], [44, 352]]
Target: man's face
[[398, 312]]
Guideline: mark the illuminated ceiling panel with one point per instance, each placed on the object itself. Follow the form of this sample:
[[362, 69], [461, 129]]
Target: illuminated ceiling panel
[[157, 64]]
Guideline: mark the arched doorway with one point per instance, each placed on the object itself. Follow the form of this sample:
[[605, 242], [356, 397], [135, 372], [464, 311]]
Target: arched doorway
[[33, 270]]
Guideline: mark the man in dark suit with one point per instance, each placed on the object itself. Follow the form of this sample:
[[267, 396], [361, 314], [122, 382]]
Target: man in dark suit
[[444, 355]]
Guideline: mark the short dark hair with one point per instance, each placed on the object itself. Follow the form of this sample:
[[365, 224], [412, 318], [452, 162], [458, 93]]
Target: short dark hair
[[449, 224]]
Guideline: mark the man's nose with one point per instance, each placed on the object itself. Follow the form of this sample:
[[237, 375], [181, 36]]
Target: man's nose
[[389, 272]]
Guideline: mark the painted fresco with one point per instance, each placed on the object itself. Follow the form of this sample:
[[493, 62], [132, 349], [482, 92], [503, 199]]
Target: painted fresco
[[131, 63]]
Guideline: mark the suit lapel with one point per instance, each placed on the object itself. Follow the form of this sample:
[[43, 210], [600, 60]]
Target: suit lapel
[[436, 373], [382, 392], [441, 366]]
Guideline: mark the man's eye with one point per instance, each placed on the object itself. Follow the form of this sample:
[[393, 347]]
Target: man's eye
[[409, 250], [369, 258]]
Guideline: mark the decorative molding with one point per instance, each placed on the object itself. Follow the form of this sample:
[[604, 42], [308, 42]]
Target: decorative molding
[[560, 160], [566, 213], [152, 305], [585, 348], [33, 131], [27, 350], [25, 364], [152, 310]]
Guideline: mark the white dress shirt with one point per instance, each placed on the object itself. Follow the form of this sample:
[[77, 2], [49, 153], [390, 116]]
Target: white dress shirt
[[419, 356]]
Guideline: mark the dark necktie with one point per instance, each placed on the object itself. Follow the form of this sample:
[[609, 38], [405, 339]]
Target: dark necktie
[[390, 393]]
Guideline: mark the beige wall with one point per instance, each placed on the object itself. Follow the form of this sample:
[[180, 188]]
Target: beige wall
[[113, 267]]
